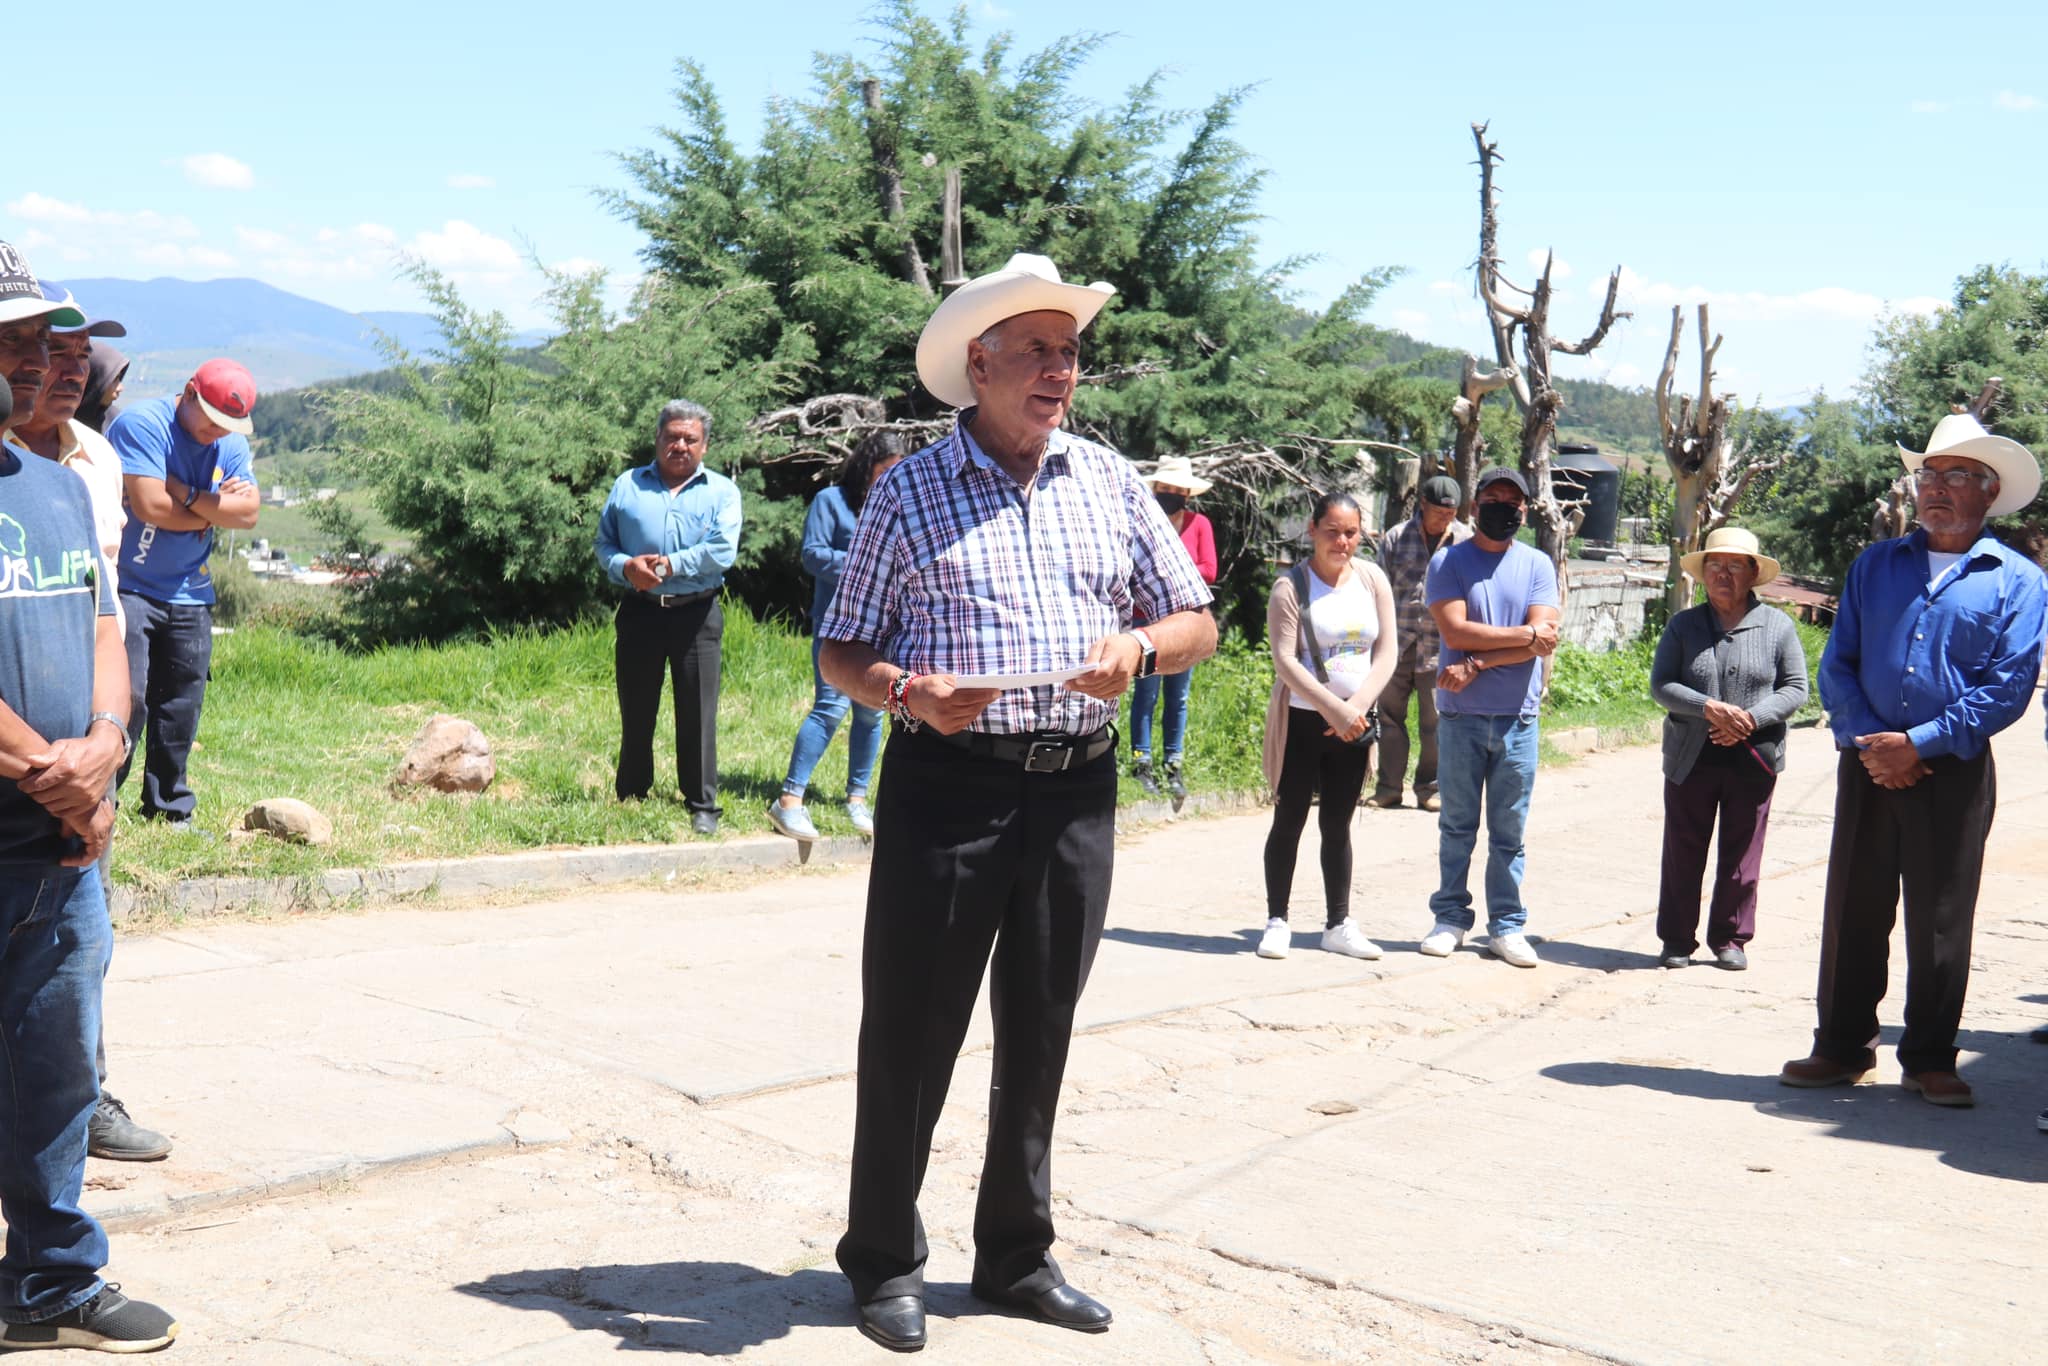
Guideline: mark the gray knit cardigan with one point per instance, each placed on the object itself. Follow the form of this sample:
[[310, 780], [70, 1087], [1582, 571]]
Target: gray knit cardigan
[[1765, 675]]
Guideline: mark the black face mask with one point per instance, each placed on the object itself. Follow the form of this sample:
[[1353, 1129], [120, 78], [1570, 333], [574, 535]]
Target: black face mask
[[1500, 521], [1171, 502]]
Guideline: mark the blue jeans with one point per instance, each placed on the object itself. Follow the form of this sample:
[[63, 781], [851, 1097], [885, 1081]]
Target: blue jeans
[[52, 959], [1145, 696], [1493, 756], [828, 708]]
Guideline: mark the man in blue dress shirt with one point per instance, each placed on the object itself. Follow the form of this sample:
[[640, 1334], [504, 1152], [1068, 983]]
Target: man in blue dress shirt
[[668, 533], [1936, 646]]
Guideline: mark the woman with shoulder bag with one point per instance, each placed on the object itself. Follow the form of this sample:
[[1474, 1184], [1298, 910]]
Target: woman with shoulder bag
[[1330, 624]]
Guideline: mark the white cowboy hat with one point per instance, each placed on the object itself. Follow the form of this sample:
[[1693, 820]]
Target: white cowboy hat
[[1730, 540], [1027, 284], [1178, 472], [2019, 476]]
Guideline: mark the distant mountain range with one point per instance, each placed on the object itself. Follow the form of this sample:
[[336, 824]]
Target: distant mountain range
[[286, 340]]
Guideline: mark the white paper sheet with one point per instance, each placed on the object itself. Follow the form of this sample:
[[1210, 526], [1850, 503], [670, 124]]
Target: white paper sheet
[[1019, 680]]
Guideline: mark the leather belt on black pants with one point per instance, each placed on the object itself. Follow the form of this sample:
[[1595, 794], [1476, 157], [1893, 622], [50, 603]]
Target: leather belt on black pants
[[1037, 753], [671, 599]]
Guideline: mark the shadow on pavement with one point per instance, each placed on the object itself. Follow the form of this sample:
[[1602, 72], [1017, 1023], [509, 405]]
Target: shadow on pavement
[[1995, 1139], [1595, 958], [1244, 941], [703, 1308]]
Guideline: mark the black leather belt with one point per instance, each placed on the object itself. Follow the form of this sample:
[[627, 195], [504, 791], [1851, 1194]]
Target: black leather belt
[[1037, 753], [672, 599]]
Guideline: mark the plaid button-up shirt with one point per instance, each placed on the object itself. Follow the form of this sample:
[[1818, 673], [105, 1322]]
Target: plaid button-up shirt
[[1405, 554], [953, 570]]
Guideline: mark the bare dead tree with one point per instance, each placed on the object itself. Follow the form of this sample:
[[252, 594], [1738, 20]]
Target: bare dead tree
[[952, 268], [1473, 388], [1708, 475], [889, 180], [1517, 315], [824, 430], [1987, 399]]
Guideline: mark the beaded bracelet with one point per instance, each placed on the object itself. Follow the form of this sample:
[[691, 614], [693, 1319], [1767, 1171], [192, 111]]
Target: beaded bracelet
[[898, 704]]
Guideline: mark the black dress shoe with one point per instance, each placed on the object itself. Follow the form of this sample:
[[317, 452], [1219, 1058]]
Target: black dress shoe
[[1062, 1305], [704, 823], [896, 1322]]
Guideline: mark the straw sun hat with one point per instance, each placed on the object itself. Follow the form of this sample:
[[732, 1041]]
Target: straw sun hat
[[1730, 540], [1026, 284]]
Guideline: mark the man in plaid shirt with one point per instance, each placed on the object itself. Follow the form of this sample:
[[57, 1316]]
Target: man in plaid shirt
[[1404, 554], [1010, 547]]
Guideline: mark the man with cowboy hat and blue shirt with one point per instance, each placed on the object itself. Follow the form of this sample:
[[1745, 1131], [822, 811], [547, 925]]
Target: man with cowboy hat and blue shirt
[[1935, 649], [1010, 548]]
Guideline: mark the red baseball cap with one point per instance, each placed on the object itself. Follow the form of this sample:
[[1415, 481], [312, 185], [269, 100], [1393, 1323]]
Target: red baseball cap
[[226, 394]]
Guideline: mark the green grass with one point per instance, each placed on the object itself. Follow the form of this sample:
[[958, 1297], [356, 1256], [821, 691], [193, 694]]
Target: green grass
[[290, 716], [290, 529]]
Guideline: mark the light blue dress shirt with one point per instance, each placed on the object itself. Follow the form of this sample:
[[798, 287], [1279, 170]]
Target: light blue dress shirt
[[1951, 665], [697, 527]]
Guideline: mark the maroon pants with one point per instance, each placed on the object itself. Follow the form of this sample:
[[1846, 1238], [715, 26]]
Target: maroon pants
[[1739, 794]]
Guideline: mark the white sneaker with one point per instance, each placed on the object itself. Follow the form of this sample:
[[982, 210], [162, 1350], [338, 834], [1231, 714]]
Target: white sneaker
[[1512, 948], [1275, 942], [1344, 938], [1441, 941]]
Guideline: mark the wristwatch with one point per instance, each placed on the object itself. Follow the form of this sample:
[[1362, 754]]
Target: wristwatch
[[120, 729], [1148, 658]]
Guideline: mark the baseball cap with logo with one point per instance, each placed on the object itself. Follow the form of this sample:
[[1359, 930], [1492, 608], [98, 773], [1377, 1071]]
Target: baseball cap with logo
[[226, 394], [22, 297], [1440, 490]]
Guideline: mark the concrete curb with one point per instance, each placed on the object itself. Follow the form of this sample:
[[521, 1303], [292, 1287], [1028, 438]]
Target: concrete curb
[[549, 870]]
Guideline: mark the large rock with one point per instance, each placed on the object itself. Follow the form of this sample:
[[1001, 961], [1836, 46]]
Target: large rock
[[449, 755], [288, 818]]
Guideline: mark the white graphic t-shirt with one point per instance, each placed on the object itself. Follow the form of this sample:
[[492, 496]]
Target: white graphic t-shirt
[[1346, 623]]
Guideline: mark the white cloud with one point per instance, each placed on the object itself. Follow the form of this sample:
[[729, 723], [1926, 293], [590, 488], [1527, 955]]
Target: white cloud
[[218, 171], [469, 180], [576, 265], [41, 208], [172, 256], [1448, 287], [1410, 319], [1560, 269], [463, 248], [2014, 103], [1825, 302], [1927, 107], [261, 239], [1623, 374]]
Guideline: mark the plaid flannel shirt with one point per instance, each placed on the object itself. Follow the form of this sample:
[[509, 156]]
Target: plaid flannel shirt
[[953, 570], [1404, 554]]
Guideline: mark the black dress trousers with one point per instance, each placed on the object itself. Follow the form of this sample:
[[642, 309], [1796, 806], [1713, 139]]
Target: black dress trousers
[[971, 854], [1928, 839], [684, 641]]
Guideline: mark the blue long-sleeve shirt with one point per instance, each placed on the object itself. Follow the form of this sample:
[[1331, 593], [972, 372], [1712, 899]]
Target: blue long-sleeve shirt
[[697, 527], [1952, 665], [828, 531]]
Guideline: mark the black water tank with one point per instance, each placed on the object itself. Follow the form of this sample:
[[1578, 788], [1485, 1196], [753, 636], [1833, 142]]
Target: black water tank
[[1577, 471]]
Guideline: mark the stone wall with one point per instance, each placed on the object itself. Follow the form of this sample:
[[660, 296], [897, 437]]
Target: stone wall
[[1607, 603]]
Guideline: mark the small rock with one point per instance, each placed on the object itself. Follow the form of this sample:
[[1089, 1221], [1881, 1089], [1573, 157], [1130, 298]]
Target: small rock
[[449, 755], [288, 818], [1334, 1107]]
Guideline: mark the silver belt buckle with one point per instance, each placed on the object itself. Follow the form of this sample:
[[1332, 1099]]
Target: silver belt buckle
[[1048, 756]]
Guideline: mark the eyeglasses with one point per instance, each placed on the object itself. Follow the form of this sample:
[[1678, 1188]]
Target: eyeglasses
[[1926, 479]]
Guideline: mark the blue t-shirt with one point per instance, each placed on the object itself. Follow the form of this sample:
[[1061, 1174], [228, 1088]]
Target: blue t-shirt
[[1498, 588], [53, 590], [170, 566]]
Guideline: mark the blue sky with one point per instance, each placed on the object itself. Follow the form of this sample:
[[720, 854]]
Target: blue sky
[[1803, 167]]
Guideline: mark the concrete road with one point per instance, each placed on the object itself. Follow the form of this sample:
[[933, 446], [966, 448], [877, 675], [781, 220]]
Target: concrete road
[[619, 1122]]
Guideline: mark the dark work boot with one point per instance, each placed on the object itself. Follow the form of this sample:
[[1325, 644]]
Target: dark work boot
[[1176, 785], [1142, 771], [114, 1136]]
